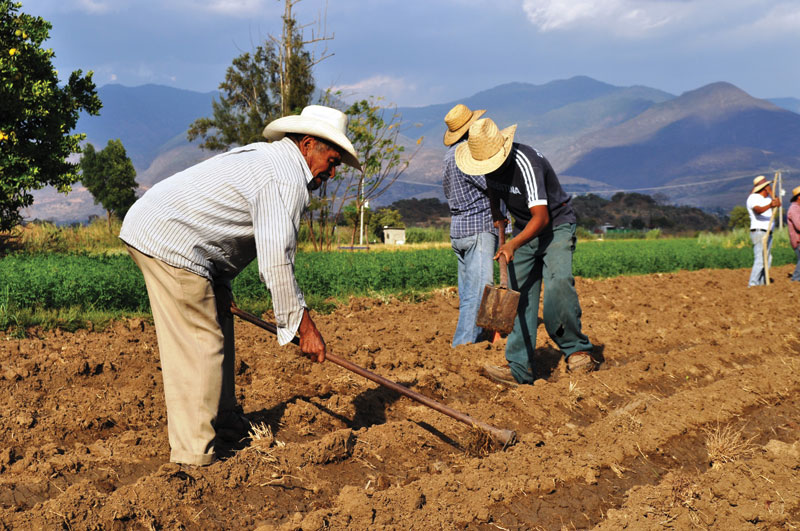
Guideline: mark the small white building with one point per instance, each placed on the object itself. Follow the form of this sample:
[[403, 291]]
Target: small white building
[[394, 236]]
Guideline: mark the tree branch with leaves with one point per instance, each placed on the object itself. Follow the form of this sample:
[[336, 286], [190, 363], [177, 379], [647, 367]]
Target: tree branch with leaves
[[110, 177], [36, 114], [375, 131], [275, 80]]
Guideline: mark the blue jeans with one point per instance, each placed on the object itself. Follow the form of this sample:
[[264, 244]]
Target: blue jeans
[[757, 274], [475, 270], [547, 257], [796, 274]]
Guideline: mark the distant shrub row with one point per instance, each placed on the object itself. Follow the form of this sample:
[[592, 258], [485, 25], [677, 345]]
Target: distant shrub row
[[113, 283]]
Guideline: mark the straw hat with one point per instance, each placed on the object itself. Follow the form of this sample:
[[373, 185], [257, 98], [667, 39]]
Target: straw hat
[[795, 192], [759, 183], [316, 120], [458, 120], [486, 149]]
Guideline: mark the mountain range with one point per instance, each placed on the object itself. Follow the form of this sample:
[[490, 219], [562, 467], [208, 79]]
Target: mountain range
[[700, 148]]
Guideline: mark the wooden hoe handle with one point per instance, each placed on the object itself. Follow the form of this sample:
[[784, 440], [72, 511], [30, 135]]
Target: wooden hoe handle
[[502, 260], [507, 437]]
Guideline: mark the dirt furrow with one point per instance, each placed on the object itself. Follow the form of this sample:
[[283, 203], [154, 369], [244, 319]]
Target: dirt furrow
[[693, 360]]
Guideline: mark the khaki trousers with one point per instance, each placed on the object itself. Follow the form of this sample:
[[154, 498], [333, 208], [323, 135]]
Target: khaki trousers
[[195, 343]]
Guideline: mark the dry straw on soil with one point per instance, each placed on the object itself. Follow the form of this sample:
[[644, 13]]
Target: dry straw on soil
[[727, 444]]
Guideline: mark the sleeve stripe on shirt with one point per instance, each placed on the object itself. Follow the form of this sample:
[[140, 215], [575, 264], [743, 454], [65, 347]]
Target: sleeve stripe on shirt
[[529, 177]]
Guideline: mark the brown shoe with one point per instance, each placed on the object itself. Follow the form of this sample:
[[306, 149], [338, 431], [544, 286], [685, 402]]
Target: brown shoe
[[582, 362], [501, 375]]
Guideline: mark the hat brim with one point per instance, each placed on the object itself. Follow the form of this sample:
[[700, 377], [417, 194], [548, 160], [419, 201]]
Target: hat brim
[[277, 129], [451, 137], [761, 186], [472, 166]]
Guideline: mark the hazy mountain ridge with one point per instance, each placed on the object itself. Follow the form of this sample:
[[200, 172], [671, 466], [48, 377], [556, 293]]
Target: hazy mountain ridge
[[790, 104], [145, 118], [564, 108], [598, 137], [714, 131]]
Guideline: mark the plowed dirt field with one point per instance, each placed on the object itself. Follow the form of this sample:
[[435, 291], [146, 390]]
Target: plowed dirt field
[[693, 423]]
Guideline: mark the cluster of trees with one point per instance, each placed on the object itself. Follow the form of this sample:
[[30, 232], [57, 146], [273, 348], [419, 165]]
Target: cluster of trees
[[429, 212], [274, 80], [641, 212], [110, 177], [37, 115]]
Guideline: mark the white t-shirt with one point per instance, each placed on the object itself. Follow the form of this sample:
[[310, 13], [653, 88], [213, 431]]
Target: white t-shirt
[[759, 221]]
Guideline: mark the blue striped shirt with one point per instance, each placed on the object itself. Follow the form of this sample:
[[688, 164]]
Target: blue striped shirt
[[214, 218], [467, 197]]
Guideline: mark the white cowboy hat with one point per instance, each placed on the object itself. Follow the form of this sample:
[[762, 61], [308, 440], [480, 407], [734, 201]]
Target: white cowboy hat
[[759, 183], [458, 120], [486, 149], [320, 121]]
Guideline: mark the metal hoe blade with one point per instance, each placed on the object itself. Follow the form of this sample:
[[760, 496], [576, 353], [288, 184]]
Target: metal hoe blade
[[498, 309]]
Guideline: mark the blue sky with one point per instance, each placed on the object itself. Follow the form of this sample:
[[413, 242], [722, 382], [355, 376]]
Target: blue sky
[[418, 52]]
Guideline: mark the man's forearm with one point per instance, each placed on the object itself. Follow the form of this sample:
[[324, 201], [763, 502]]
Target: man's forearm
[[531, 230]]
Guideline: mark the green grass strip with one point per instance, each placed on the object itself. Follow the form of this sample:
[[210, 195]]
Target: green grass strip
[[107, 284]]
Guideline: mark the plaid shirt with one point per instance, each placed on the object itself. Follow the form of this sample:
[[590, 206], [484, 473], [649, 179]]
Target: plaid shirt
[[466, 194]]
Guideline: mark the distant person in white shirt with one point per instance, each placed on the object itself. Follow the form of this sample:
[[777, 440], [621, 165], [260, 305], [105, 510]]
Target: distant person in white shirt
[[193, 232], [759, 205]]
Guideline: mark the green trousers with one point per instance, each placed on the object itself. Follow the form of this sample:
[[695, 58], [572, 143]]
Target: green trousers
[[548, 258]]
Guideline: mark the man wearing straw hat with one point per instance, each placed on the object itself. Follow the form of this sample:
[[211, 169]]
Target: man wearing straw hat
[[472, 232], [541, 249], [193, 232], [759, 206], [793, 225]]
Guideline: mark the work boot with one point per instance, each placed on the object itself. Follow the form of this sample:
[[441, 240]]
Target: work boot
[[582, 362], [501, 375], [232, 426]]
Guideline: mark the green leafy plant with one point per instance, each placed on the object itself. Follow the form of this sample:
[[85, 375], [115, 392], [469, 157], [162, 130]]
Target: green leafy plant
[[110, 177], [37, 114]]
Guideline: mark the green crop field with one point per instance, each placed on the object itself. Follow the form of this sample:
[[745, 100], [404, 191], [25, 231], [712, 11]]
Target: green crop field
[[81, 284]]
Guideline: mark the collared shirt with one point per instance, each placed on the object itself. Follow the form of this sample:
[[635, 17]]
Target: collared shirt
[[214, 218], [759, 221], [466, 195], [793, 223]]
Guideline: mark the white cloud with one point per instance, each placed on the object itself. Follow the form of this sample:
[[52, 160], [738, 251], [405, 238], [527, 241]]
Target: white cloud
[[623, 17], [96, 7], [388, 87], [697, 20], [778, 24], [236, 8], [783, 18]]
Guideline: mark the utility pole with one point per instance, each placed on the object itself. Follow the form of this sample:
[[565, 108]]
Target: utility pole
[[361, 228], [781, 193]]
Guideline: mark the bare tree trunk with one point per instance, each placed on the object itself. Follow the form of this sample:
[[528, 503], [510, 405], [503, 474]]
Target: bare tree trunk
[[286, 48], [286, 81]]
